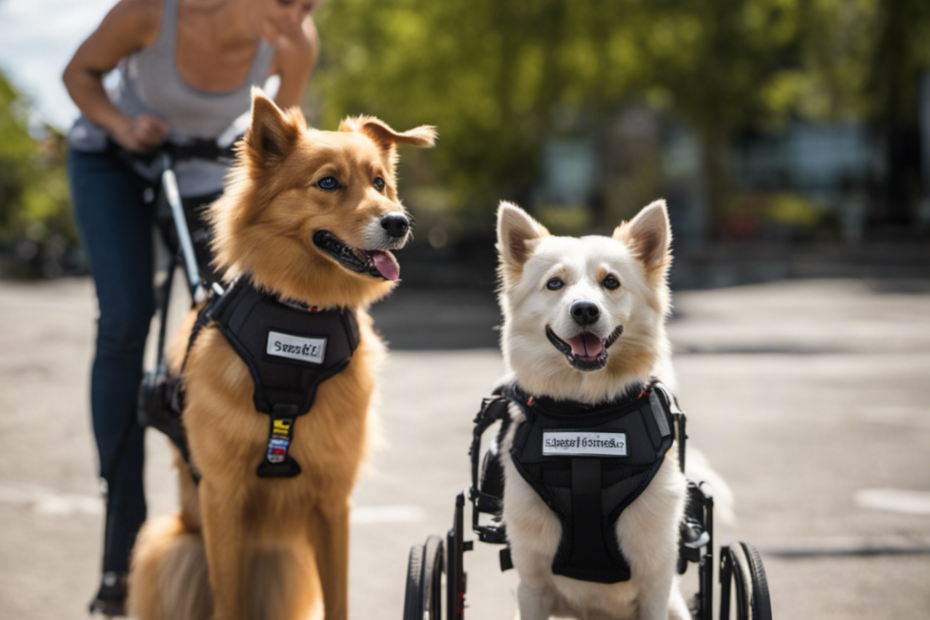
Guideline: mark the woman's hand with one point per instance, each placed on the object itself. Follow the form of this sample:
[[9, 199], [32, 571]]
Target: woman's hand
[[129, 26], [140, 134]]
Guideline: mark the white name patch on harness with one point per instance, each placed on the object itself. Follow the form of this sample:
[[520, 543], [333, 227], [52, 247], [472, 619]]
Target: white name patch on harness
[[581, 443], [311, 350]]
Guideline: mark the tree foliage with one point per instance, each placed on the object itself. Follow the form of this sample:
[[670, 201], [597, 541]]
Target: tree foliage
[[494, 77], [34, 200], [17, 153], [501, 78]]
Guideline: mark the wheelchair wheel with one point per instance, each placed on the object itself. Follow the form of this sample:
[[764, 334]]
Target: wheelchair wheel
[[743, 564], [423, 598]]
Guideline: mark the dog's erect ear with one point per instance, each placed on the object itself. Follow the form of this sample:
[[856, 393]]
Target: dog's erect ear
[[648, 235], [515, 229], [272, 133]]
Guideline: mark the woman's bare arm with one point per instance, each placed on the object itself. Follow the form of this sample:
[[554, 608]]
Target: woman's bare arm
[[129, 26], [295, 58]]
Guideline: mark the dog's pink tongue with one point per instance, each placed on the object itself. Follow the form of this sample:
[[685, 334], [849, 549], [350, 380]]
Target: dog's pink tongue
[[585, 345], [386, 264]]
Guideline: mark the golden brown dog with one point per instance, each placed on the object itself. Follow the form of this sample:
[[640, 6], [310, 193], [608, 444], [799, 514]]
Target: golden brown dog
[[277, 549]]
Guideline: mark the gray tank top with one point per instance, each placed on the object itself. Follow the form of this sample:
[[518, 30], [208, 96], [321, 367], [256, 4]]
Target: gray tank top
[[149, 83]]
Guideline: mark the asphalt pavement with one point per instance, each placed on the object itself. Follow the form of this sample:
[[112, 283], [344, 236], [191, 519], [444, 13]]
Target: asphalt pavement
[[808, 396]]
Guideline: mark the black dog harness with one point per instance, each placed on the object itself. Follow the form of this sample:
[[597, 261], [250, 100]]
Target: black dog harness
[[588, 464], [289, 349]]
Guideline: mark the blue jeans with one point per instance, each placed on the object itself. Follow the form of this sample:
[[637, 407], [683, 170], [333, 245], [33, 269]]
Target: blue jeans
[[116, 229]]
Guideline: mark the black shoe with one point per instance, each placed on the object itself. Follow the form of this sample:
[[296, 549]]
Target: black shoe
[[111, 597]]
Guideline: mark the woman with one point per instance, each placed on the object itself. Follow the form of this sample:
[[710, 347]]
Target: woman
[[186, 68]]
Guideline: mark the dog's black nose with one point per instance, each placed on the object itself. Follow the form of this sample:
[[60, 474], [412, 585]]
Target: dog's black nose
[[585, 312], [395, 224]]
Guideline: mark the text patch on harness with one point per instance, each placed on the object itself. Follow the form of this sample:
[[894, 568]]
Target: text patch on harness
[[583, 443], [312, 350]]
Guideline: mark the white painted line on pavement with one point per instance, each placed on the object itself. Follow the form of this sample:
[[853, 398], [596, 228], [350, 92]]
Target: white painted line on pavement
[[894, 500], [47, 501], [364, 515]]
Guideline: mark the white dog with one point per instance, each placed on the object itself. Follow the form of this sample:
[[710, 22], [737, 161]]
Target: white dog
[[584, 321]]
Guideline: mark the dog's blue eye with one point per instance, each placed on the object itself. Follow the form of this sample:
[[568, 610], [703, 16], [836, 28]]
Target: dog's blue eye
[[555, 284], [611, 283], [379, 184], [328, 183]]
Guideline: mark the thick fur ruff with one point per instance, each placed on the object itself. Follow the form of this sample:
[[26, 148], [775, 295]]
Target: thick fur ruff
[[543, 279], [243, 547]]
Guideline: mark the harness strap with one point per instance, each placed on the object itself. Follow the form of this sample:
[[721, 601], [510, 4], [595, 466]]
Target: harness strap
[[204, 316], [587, 547], [492, 409], [175, 399]]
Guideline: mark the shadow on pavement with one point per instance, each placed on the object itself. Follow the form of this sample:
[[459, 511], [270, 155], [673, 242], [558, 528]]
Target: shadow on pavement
[[419, 318]]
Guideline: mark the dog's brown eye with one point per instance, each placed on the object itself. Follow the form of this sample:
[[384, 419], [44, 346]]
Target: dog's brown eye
[[611, 283], [328, 183], [555, 284], [379, 184]]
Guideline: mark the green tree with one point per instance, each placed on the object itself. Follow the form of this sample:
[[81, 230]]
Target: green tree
[[34, 200], [492, 76], [900, 59], [501, 78], [865, 60], [723, 66], [17, 157]]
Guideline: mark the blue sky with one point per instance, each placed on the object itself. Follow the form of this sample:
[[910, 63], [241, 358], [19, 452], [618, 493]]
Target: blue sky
[[37, 39]]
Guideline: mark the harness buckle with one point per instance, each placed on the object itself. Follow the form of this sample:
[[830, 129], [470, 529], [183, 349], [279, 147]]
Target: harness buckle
[[493, 408]]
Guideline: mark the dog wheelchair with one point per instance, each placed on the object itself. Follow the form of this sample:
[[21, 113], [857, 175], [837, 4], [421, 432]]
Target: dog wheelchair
[[437, 565]]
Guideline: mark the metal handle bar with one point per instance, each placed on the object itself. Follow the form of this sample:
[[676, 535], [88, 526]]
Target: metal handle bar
[[194, 148], [169, 183]]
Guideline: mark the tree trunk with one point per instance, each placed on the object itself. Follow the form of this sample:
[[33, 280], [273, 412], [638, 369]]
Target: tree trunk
[[711, 220], [897, 80]]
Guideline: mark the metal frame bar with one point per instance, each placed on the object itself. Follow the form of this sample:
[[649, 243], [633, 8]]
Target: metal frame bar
[[726, 578], [706, 574], [164, 292], [169, 184], [455, 569]]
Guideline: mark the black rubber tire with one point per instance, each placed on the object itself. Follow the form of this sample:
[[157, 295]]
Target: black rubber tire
[[752, 588], [413, 598], [431, 588], [761, 601]]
